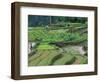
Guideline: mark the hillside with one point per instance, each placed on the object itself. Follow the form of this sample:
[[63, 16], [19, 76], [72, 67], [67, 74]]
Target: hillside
[[58, 44]]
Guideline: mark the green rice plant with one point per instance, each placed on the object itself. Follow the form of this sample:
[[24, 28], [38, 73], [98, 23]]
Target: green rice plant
[[36, 60], [34, 56], [75, 24], [48, 60], [65, 60], [54, 35], [81, 59], [45, 46]]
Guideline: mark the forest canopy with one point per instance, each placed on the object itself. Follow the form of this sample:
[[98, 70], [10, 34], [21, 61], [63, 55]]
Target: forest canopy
[[36, 20]]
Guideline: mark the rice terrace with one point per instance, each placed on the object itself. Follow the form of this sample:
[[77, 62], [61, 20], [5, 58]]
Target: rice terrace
[[57, 40]]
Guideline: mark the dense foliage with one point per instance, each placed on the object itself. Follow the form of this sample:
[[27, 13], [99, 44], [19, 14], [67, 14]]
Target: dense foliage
[[35, 20]]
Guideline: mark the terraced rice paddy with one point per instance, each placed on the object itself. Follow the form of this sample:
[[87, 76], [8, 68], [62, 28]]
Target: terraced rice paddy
[[58, 44], [67, 56]]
